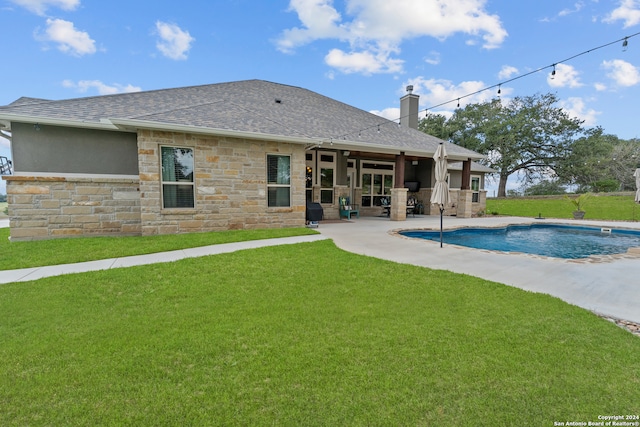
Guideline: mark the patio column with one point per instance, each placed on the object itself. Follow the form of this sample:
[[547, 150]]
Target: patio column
[[466, 175], [464, 208], [399, 176], [398, 204], [398, 210]]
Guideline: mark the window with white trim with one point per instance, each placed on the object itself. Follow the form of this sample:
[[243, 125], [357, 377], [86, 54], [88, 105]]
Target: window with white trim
[[377, 182], [278, 180], [310, 159], [475, 188], [326, 167], [178, 186]]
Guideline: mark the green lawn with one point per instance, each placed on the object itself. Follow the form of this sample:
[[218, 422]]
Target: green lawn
[[599, 206], [14, 255], [303, 334]]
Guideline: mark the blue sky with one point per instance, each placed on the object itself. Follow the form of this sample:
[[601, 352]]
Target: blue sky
[[361, 52]]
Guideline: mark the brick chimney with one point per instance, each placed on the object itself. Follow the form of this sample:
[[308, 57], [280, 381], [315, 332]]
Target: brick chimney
[[409, 109]]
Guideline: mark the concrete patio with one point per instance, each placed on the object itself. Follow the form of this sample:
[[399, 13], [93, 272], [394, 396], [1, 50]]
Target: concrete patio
[[608, 286]]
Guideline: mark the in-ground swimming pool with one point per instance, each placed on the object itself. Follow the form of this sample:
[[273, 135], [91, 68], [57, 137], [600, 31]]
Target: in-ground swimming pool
[[552, 240]]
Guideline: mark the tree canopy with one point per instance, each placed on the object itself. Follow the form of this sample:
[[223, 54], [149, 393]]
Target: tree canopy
[[526, 134]]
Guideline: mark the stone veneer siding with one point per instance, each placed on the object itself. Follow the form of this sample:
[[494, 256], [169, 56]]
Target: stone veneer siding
[[53, 207], [230, 184]]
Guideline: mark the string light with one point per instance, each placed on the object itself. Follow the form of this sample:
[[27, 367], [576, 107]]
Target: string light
[[625, 44]]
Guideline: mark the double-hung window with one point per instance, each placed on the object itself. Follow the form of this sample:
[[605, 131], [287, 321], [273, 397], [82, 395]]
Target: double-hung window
[[475, 188], [278, 181], [178, 186]]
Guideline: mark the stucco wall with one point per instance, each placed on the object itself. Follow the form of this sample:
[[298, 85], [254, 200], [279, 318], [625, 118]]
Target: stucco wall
[[56, 149], [230, 181]]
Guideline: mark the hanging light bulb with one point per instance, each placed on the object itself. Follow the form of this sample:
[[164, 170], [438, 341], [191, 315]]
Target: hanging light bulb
[[625, 43], [499, 89], [458, 102], [553, 73]]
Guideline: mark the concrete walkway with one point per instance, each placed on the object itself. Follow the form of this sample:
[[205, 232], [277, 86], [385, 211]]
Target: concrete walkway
[[609, 288]]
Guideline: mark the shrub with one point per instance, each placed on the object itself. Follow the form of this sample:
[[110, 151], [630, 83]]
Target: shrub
[[545, 188], [606, 186]]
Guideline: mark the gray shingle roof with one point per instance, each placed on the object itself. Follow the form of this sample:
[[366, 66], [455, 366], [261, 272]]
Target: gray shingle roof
[[251, 106]]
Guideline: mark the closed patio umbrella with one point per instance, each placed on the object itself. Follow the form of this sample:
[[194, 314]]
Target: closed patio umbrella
[[637, 175], [440, 194]]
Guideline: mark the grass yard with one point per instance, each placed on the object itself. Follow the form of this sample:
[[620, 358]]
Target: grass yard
[[308, 335], [598, 206], [14, 255]]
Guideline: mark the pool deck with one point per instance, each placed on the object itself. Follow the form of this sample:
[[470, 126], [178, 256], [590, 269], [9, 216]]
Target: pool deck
[[607, 285]]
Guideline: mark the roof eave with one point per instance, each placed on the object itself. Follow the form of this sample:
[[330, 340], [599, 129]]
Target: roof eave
[[7, 118], [132, 125]]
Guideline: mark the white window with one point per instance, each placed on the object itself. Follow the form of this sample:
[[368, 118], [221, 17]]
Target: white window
[[309, 178], [278, 180], [178, 186], [377, 182], [475, 187], [327, 178]]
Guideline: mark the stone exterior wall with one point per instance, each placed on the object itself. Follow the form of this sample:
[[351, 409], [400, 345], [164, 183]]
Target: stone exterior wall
[[53, 207], [230, 182]]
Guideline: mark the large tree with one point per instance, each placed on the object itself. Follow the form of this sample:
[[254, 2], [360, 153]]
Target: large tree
[[589, 161], [527, 134], [597, 158]]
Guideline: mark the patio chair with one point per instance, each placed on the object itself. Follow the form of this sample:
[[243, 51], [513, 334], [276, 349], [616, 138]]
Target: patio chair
[[347, 209], [411, 206]]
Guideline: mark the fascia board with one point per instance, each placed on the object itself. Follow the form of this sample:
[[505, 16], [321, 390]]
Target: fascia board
[[7, 118]]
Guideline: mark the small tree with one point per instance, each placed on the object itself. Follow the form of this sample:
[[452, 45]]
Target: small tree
[[545, 188]]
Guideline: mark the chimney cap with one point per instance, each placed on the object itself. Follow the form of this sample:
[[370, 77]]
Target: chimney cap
[[410, 88]]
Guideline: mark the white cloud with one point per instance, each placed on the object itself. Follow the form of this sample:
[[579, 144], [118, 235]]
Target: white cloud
[[319, 20], [600, 87], [576, 8], [365, 62], [433, 58], [628, 11], [434, 92], [376, 28], [507, 72], [174, 42], [69, 39], [622, 72], [83, 86], [565, 76], [576, 107], [40, 7], [387, 113]]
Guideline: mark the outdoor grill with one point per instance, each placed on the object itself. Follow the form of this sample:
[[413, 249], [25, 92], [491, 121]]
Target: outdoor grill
[[314, 214]]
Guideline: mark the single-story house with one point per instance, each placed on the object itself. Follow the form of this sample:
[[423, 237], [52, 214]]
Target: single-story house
[[238, 155]]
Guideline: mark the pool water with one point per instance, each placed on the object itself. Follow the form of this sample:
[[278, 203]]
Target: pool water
[[552, 240]]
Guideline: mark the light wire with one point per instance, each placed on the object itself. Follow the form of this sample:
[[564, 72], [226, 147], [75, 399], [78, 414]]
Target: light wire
[[497, 85]]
